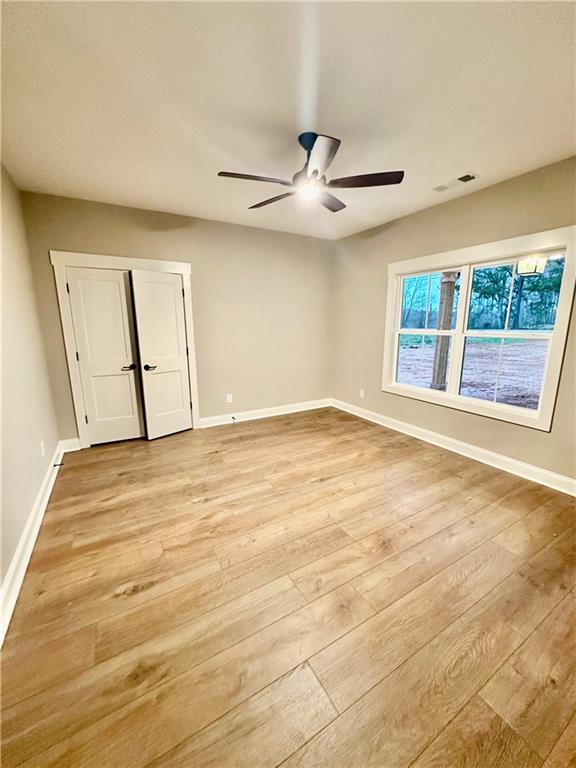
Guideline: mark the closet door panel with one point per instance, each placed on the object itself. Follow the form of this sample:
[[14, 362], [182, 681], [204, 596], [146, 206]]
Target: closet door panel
[[102, 314], [159, 309]]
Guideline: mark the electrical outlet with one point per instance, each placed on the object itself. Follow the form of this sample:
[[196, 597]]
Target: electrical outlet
[[42, 448], [228, 398], [362, 393]]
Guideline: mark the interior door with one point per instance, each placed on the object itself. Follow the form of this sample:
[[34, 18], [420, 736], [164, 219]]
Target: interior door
[[105, 340], [159, 308]]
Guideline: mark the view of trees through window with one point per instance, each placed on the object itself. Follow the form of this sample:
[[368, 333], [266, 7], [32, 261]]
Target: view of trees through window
[[509, 319]]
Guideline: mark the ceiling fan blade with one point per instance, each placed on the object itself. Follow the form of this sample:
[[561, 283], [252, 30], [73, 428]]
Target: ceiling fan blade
[[330, 202], [321, 155], [250, 177], [272, 200], [368, 180]]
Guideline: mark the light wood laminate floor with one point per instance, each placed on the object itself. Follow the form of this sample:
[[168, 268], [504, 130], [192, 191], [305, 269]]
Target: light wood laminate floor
[[307, 590]]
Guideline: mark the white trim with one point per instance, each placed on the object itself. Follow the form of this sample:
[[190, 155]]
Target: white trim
[[70, 350], [60, 260], [70, 445], [102, 261], [562, 239], [17, 569], [511, 248], [189, 322], [264, 413], [539, 475]]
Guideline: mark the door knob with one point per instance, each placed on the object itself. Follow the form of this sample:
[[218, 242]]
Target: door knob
[[128, 367], [150, 367]]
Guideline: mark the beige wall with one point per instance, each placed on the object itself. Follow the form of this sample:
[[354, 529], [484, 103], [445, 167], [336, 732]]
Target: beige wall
[[543, 199], [261, 298], [28, 415]]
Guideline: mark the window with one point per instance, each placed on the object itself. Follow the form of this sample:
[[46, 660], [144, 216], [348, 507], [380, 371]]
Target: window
[[483, 329]]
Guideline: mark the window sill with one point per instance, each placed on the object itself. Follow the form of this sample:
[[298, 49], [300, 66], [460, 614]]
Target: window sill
[[499, 411]]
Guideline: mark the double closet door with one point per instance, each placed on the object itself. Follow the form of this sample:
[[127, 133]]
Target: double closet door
[[132, 352]]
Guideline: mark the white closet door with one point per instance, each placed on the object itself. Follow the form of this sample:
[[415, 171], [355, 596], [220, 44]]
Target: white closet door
[[102, 316], [159, 306]]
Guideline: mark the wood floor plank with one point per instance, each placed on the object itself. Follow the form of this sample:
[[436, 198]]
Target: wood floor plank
[[179, 606], [262, 731], [97, 567], [478, 738], [170, 714], [397, 719], [77, 703], [339, 567], [535, 691], [388, 582], [417, 490], [84, 603], [355, 663], [159, 623], [563, 754], [552, 572], [535, 530], [25, 675]]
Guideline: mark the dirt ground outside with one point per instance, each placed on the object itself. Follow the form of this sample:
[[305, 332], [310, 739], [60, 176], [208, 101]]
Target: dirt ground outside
[[519, 380]]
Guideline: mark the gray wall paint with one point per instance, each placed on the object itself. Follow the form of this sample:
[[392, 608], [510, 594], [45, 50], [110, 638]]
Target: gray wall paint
[[281, 318], [28, 414], [543, 199], [261, 298]]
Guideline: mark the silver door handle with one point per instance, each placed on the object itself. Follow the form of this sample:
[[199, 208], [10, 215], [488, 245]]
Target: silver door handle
[[128, 367], [150, 367]]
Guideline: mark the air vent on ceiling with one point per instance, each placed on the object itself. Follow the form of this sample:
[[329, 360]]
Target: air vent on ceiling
[[454, 182]]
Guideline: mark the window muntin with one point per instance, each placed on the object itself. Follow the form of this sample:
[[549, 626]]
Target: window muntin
[[495, 332]]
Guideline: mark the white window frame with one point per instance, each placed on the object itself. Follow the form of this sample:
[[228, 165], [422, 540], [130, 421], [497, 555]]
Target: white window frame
[[463, 260]]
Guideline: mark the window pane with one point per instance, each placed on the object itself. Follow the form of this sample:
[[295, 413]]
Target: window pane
[[423, 360], [430, 301], [504, 370], [414, 301], [480, 368], [489, 297], [521, 372], [535, 298], [443, 307]]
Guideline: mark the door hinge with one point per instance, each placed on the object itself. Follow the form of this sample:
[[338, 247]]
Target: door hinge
[[77, 357], [190, 404], [182, 292], [67, 288], [187, 351], [86, 417]]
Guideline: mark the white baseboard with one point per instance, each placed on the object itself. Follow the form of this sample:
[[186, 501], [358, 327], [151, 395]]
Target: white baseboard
[[69, 445], [19, 563], [531, 472], [527, 471], [263, 413]]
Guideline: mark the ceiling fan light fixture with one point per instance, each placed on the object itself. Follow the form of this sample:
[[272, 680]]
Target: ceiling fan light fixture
[[310, 182], [309, 191]]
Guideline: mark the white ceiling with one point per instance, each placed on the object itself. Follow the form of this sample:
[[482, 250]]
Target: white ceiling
[[141, 104]]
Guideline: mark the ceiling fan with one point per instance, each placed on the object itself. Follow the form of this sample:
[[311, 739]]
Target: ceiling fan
[[310, 182]]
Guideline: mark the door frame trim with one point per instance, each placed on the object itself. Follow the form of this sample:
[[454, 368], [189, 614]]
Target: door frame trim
[[60, 260]]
